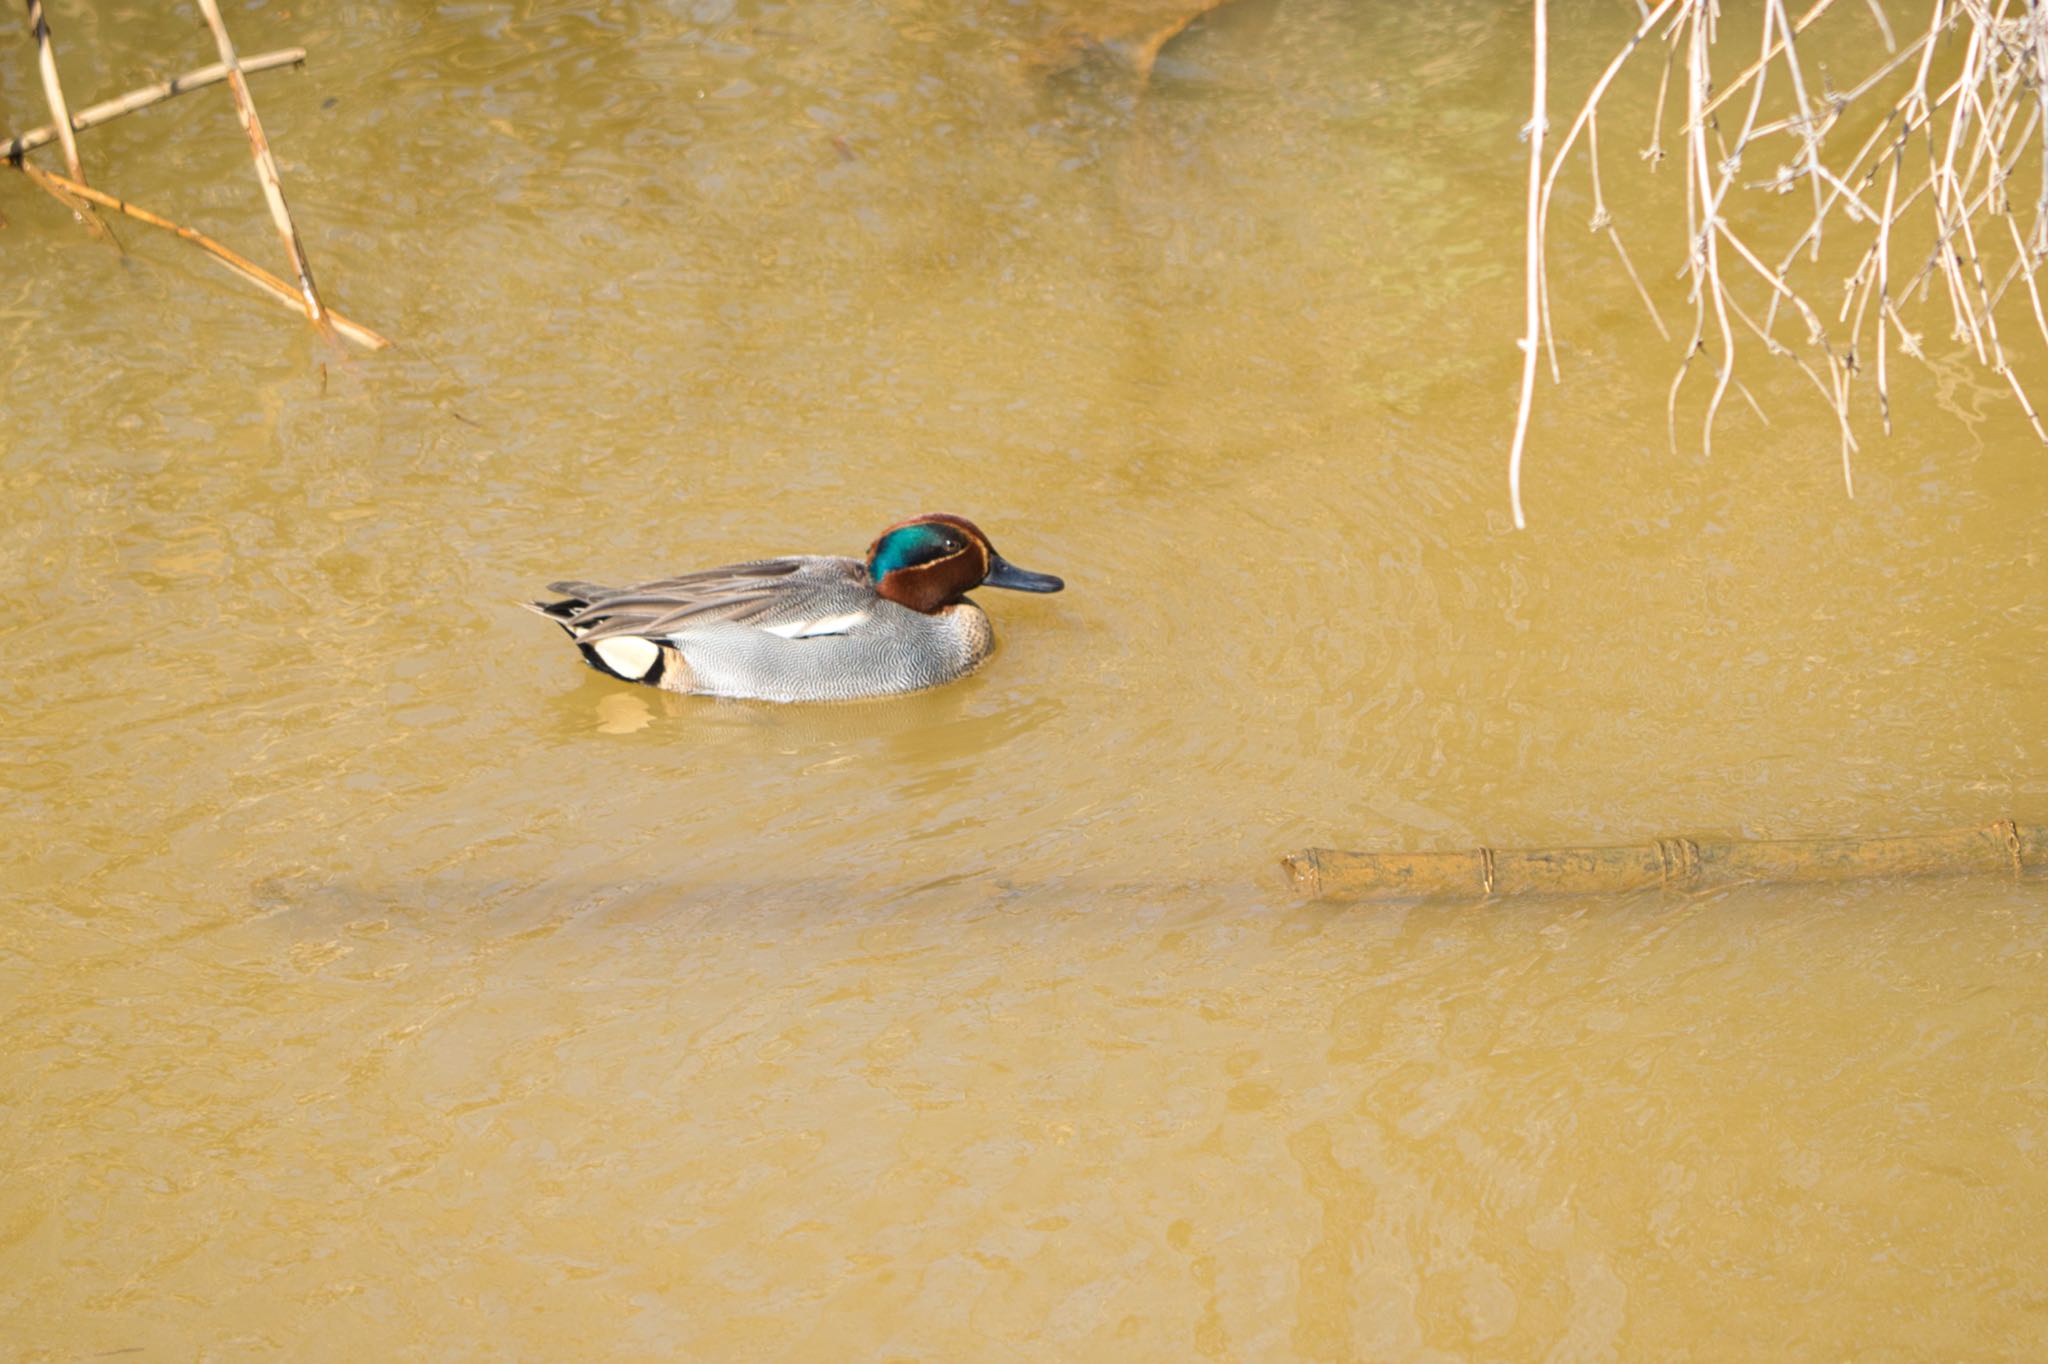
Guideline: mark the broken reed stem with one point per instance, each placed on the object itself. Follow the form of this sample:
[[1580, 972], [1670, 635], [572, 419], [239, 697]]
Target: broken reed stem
[[53, 89], [49, 184], [94, 115], [241, 265], [266, 164]]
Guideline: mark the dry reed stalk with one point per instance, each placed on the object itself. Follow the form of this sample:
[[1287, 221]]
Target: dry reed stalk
[[1947, 154], [60, 114], [53, 89], [1682, 864], [266, 164], [241, 265], [94, 115]]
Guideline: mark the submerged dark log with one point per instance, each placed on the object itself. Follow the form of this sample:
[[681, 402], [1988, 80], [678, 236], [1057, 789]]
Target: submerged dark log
[[1669, 863], [1130, 31]]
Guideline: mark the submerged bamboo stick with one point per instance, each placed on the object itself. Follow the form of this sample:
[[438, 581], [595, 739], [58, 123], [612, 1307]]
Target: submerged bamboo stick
[[1669, 863], [96, 114], [62, 186], [266, 164], [53, 89]]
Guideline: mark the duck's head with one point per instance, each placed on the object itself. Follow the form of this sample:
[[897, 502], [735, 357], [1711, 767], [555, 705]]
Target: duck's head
[[932, 561]]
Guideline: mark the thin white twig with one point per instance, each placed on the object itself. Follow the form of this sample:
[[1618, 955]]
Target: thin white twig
[[1533, 299]]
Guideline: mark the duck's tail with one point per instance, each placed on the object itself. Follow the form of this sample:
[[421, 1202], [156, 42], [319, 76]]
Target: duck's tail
[[630, 658]]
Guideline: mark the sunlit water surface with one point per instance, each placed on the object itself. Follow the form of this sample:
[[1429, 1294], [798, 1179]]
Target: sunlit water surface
[[376, 982]]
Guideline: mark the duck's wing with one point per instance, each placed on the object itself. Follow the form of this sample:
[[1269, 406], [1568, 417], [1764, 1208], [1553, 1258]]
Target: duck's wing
[[794, 597]]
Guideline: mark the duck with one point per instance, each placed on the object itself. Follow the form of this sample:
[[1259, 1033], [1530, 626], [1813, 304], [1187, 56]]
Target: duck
[[806, 627]]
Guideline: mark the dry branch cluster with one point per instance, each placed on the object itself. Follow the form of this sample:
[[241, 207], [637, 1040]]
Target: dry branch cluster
[[1954, 115], [72, 190]]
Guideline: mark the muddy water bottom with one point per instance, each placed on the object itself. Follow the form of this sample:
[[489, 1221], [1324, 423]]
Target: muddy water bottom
[[759, 1123]]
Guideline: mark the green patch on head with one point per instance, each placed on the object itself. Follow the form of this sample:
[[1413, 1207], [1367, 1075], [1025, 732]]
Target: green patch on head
[[908, 546]]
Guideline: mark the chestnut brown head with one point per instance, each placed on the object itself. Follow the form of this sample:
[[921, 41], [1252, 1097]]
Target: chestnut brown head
[[930, 562]]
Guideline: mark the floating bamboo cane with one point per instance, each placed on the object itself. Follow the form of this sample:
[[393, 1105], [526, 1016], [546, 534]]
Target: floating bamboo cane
[[96, 114], [1669, 863], [53, 89], [62, 187], [266, 164]]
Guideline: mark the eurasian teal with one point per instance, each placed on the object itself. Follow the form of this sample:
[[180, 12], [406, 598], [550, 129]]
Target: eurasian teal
[[810, 627]]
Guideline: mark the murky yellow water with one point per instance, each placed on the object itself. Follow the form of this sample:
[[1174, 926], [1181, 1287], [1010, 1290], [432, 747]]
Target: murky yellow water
[[377, 983]]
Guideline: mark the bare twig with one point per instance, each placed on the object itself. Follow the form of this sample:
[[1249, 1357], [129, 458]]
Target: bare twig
[[1532, 296], [1604, 221], [96, 114], [1584, 120], [1974, 129], [1883, 250], [1755, 68], [1708, 249]]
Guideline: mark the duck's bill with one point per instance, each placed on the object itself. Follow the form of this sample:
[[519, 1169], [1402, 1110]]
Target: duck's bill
[[1003, 573]]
